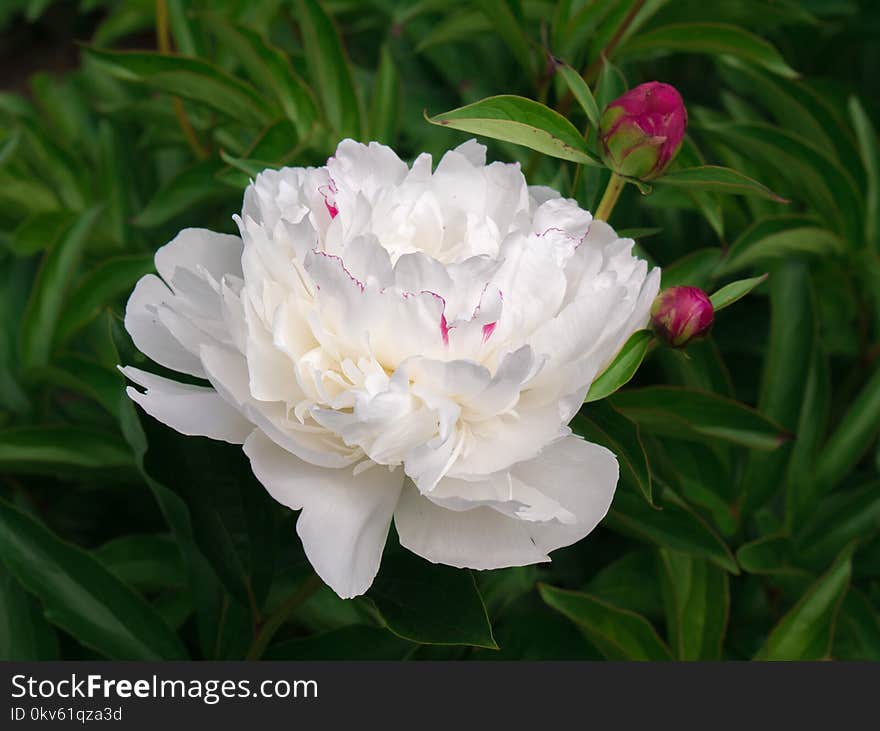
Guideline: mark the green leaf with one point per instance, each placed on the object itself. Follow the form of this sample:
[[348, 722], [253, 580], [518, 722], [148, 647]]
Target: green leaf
[[768, 555], [860, 621], [455, 27], [78, 374], [39, 232], [618, 633], [811, 172], [24, 632], [622, 368], [233, 517], [329, 69], [735, 291], [694, 269], [413, 598], [852, 437], [195, 186], [385, 100], [147, 562], [837, 520], [719, 179], [709, 38], [54, 450], [189, 78], [806, 632], [509, 25], [690, 414], [47, 296], [870, 154], [269, 68], [631, 582], [697, 598], [604, 425], [111, 279], [580, 90], [752, 248], [354, 642], [520, 121], [81, 596], [674, 525], [789, 353]]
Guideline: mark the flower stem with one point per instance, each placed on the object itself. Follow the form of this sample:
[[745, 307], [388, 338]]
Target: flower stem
[[612, 193], [275, 620], [163, 40]]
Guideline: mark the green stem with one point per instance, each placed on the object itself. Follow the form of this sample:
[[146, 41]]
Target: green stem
[[612, 193], [163, 41], [281, 615]]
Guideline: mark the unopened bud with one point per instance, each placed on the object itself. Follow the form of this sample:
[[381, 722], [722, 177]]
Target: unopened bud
[[681, 315], [641, 132]]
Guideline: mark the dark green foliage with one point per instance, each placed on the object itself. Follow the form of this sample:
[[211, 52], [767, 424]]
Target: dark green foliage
[[747, 518]]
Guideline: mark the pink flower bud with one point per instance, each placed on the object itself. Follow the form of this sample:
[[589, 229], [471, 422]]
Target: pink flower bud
[[641, 132], [681, 315]]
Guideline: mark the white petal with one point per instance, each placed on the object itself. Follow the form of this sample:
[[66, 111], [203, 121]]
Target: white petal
[[345, 518], [191, 410], [149, 333], [480, 538], [197, 248], [578, 475]]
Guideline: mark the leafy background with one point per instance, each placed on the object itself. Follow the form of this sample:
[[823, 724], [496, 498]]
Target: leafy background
[[736, 533]]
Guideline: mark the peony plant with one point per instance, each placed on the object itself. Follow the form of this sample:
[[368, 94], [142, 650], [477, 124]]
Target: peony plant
[[400, 342]]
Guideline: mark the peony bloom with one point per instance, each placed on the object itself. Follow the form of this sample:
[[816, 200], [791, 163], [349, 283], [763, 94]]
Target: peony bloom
[[681, 315], [641, 132], [389, 342]]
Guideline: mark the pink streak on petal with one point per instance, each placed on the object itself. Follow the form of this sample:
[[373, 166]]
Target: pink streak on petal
[[488, 329]]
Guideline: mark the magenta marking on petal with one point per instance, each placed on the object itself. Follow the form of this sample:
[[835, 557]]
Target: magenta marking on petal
[[330, 198], [488, 329], [444, 329], [351, 276]]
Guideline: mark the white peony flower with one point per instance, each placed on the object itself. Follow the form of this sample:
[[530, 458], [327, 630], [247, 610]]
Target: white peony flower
[[392, 342]]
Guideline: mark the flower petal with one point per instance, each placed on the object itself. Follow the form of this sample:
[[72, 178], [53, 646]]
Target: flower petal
[[191, 410], [149, 333], [345, 517], [579, 476]]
